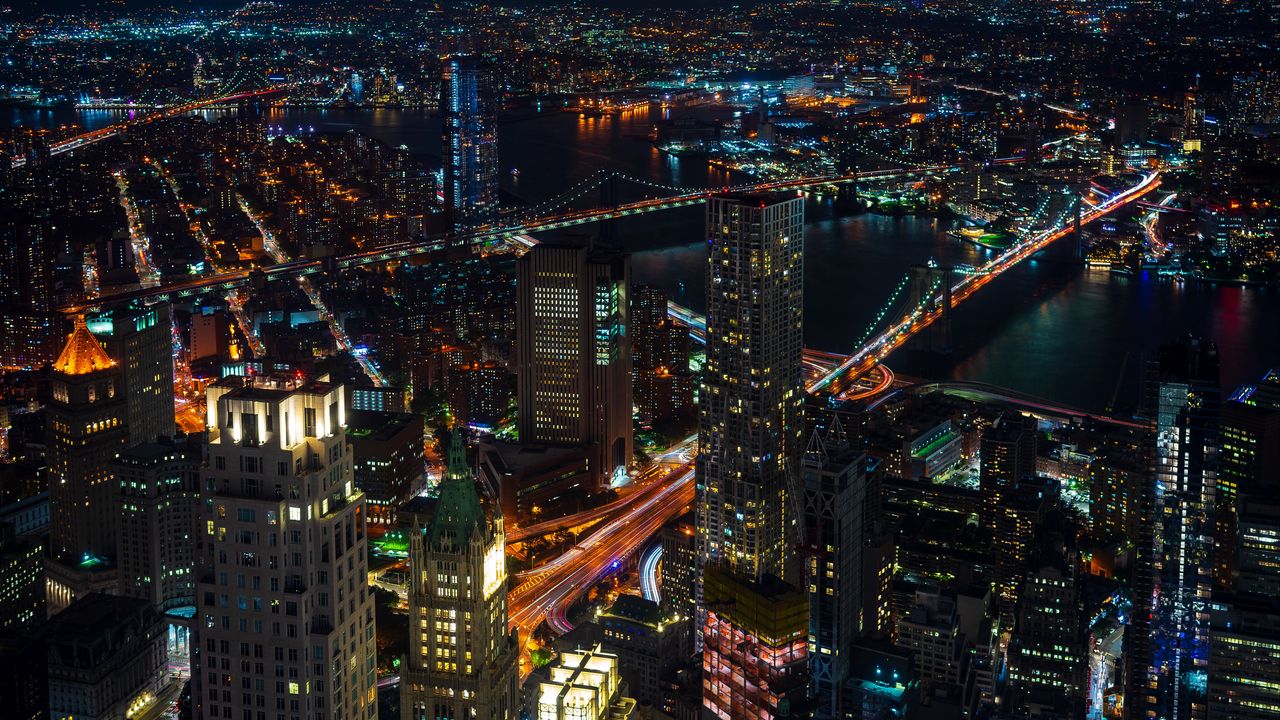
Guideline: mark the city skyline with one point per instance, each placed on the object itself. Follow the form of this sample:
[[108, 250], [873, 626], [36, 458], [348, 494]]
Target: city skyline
[[626, 360]]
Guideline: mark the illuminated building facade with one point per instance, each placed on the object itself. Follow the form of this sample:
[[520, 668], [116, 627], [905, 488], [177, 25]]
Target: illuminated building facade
[[573, 351], [1244, 636], [930, 629], [755, 646], [1022, 508], [583, 685], [1008, 456], [1183, 395], [470, 152], [750, 432], [751, 403], [462, 661], [22, 570], [1045, 671], [86, 429], [282, 589], [834, 475], [1249, 464]]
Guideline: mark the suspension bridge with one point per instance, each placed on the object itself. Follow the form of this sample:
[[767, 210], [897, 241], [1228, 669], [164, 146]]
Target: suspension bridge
[[924, 297], [163, 112]]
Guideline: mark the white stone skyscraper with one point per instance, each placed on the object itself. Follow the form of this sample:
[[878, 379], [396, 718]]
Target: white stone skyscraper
[[284, 623]]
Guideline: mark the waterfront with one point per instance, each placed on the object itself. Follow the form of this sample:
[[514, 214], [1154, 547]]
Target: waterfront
[[1049, 328]]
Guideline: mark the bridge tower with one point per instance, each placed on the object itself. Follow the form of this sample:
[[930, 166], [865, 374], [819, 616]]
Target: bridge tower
[[930, 290], [608, 229], [1077, 237], [847, 194]]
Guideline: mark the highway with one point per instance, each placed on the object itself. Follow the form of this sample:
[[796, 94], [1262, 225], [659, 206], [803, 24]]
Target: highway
[[549, 595], [650, 561]]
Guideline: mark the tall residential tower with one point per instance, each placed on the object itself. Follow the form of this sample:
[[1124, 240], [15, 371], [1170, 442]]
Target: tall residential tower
[[284, 616], [751, 428], [470, 140], [751, 413]]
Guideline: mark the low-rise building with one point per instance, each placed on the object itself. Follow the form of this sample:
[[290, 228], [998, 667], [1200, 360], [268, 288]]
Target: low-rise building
[[106, 658]]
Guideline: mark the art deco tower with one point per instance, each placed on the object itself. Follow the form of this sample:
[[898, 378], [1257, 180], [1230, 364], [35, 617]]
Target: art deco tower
[[86, 429], [462, 662]]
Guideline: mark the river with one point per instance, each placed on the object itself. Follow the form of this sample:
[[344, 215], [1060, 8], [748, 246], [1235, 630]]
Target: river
[[1049, 327]]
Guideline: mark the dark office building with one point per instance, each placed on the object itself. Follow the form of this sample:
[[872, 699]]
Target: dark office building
[[386, 455], [663, 381], [106, 657], [140, 340]]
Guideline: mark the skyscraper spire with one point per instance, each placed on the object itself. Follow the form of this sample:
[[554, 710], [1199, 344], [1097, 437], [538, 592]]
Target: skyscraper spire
[[457, 468]]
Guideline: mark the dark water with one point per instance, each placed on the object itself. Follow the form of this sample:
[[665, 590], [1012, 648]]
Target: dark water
[[1047, 327]]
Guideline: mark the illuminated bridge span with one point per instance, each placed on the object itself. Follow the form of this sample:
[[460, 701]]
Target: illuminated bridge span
[[165, 113], [919, 318], [512, 235]]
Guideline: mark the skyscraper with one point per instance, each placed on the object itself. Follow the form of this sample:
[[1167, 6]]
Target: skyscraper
[[470, 151], [462, 661], [86, 428], [751, 428], [751, 411], [1249, 464], [1007, 457], [663, 382], [157, 488], [1183, 397], [1244, 634], [29, 325], [573, 351], [140, 340], [1047, 642], [834, 500], [284, 617]]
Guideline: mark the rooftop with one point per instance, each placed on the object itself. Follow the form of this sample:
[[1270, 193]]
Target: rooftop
[[82, 354]]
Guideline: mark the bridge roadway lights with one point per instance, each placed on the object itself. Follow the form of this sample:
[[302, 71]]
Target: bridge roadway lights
[[413, 248]]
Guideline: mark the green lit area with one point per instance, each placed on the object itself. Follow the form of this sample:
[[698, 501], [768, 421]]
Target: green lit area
[[394, 544], [92, 562], [934, 445]]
